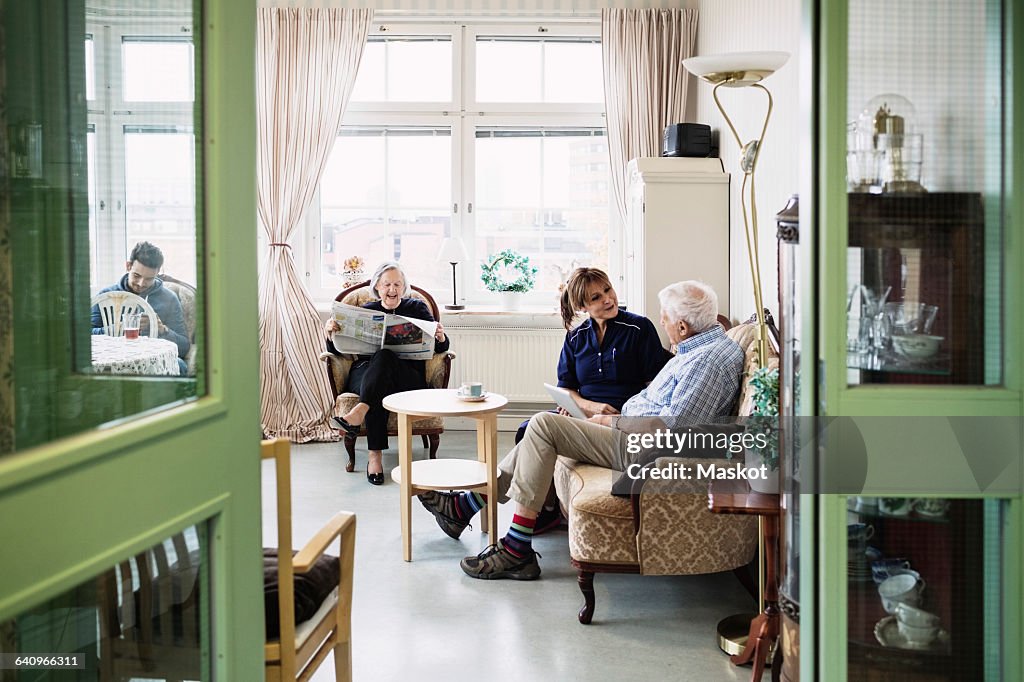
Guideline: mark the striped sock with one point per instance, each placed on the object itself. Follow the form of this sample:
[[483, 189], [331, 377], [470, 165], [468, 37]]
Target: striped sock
[[519, 540], [468, 504]]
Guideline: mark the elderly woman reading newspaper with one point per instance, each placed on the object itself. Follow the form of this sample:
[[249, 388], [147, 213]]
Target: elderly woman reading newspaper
[[379, 373]]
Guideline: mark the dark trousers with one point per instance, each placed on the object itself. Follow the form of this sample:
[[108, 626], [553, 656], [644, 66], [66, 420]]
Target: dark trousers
[[376, 379]]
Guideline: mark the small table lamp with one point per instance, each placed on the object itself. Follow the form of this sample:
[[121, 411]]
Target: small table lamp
[[453, 251]]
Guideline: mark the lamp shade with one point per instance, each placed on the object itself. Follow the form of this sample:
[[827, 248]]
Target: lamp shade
[[452, 251], [736, 69]]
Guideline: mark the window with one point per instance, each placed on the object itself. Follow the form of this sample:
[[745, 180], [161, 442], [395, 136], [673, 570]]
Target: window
[[494, 134], [142, 161]]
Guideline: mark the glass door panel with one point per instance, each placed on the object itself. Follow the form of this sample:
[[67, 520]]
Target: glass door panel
[[921, 574], [924, 169]]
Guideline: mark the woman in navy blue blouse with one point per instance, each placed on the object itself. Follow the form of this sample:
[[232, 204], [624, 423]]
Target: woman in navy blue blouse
[[607, 359], [613, 354], [374, 377]]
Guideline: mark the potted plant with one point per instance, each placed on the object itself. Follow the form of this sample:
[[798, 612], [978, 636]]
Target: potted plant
[[510, 274], [764, 420]]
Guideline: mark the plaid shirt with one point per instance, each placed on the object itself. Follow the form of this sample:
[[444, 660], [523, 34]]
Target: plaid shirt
[[699, 384]]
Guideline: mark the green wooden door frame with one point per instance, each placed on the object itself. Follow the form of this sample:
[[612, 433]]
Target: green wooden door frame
[[84, 502], [824, 43]]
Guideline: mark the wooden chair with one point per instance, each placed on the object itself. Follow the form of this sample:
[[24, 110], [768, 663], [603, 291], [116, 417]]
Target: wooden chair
[[663, 527], [114, 305], [301, 648], [438, 371], [186, 294], [149, 611]]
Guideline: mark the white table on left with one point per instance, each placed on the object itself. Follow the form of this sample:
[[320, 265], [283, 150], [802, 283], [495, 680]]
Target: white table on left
[[144, 356]]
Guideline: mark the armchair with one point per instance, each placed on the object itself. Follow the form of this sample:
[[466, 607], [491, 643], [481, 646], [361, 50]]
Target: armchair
[[298, 649], [186, 294], [438, 371], [664, 527]]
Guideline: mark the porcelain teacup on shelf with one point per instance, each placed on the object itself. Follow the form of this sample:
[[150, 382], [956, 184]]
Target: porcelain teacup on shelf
[[913, 616], [935, 507], [903, 588], [884, 568]]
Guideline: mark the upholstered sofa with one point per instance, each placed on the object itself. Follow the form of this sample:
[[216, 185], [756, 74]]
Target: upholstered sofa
[[662, 527]]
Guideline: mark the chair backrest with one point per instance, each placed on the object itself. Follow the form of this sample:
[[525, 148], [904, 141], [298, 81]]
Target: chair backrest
[[287, 658], [186, 294], [358, 294], [114, 305]]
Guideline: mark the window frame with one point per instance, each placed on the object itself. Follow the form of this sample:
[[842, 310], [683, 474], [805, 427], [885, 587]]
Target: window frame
[[463, 115], [109, 115]]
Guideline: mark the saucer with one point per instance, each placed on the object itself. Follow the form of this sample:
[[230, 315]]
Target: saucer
[[471, 398], [888, 634]]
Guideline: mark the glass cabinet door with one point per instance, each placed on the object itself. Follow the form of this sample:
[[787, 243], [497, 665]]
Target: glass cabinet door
[[916, 304], [920, 309]]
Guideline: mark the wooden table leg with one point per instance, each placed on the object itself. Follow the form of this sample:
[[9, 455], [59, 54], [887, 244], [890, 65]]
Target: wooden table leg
[[405, 495], [764, 629], [487, 452]]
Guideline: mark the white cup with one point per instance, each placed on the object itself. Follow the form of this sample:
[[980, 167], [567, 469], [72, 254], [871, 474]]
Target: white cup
[[915, 617], [903, 588], [471, 389], [919, 636]]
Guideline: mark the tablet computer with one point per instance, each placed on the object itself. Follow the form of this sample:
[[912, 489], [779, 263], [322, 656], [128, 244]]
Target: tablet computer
[[565, 401]]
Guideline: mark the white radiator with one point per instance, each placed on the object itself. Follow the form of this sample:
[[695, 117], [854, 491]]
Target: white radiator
[[512, 361]]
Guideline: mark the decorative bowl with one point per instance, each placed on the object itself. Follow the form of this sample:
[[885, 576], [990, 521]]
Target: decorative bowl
[[917, 346]]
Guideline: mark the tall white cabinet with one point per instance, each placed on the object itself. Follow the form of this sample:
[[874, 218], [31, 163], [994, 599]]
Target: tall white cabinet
[[677, 228]]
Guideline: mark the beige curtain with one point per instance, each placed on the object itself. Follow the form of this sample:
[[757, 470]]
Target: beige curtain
[[306, 65], [644, 82]]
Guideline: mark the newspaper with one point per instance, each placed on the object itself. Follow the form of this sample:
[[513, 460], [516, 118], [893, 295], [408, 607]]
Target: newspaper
[[364, 332]]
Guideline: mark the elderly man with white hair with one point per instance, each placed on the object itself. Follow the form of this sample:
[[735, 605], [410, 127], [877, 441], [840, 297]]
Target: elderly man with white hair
[[699, 384]]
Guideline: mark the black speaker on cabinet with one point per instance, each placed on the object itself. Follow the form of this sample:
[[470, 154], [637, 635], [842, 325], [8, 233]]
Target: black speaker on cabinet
[[687, 139]]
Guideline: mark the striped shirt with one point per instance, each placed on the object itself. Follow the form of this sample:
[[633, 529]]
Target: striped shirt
[[699, 384]]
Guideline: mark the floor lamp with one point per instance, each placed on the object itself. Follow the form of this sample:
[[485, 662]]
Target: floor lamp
[[453, 251], [739, 70]]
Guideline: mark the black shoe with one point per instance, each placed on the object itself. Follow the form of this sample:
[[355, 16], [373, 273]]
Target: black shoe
[[548, 520], [375, 479], [350, 429], [442, 506]]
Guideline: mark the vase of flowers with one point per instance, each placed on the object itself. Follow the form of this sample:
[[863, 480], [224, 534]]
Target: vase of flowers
[[352, 270], [764, 424], [509, 274]]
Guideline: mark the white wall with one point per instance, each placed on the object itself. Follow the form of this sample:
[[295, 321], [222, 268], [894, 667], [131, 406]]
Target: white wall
[[735, 26]]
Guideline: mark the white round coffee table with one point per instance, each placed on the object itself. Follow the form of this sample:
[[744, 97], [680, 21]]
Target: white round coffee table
[[445, 474]]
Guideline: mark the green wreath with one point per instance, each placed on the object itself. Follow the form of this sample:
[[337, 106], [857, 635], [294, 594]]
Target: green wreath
[[508, 271]]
